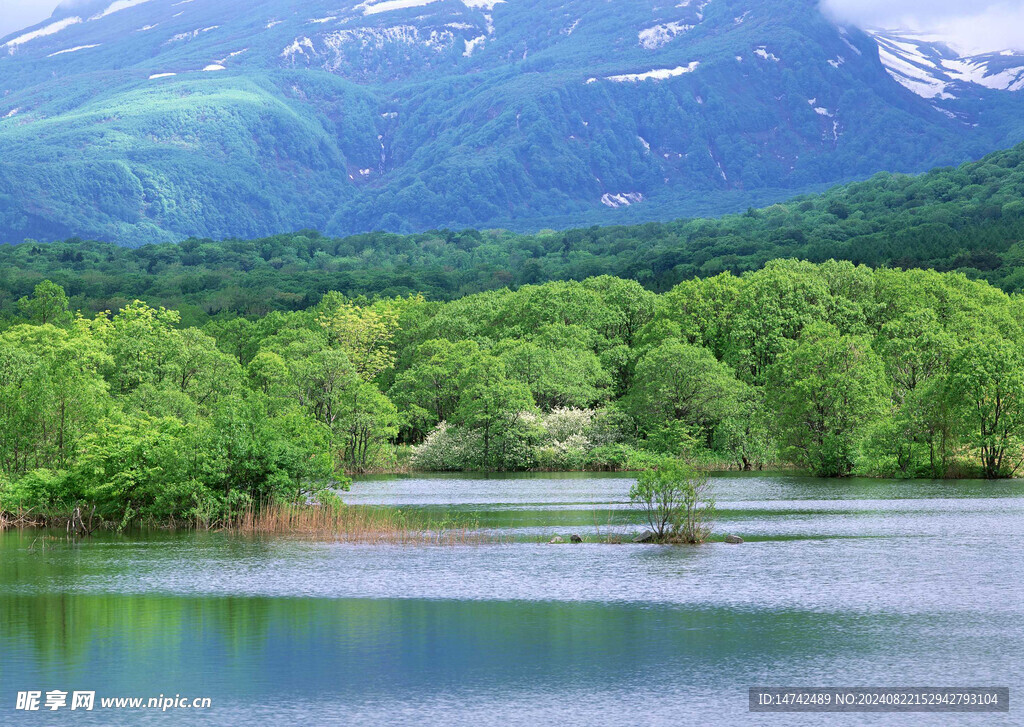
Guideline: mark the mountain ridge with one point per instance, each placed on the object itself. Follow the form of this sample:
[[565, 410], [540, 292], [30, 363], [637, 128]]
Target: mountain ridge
[[146, 121]]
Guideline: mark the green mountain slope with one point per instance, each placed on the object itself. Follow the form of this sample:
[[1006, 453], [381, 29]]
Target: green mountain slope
[[968, 219], [152, 120]]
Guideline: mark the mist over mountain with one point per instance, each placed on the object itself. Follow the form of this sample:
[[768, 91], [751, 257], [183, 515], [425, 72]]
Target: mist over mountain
[[139, 121]]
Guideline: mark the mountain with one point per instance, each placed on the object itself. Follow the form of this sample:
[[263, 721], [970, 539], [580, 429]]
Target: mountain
[[141, 121], [932, 69]]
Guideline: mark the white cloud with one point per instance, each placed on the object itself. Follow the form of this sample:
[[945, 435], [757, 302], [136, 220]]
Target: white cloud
[[970, 27]]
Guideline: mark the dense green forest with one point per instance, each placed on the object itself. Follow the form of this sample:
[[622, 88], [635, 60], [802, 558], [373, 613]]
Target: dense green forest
[[968, 219], [832, 368]]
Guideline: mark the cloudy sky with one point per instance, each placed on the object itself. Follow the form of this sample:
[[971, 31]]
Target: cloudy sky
[[17, 14], [971, 25]]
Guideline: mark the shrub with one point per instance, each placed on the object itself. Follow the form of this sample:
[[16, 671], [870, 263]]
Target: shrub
[[676, 502], [446, 449]]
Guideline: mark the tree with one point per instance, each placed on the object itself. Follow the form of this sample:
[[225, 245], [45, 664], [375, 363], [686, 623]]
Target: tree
[[363, 333], [51, 394], [367, 421], [48, 304], [556, 377], [679, 385], [676, 502], [430, 389], [143, 343], [915, 351], [826, 391], [745, 434], [491, 403], [987, 379]]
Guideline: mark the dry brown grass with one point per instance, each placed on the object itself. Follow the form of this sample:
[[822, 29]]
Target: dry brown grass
[[355, 524]]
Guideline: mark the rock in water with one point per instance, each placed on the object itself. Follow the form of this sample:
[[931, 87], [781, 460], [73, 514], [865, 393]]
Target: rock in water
[[733, 539], [556, 539], [645, 537], [575, 538]]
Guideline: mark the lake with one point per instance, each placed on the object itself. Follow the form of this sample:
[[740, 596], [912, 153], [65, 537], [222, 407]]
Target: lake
[[840, 583]]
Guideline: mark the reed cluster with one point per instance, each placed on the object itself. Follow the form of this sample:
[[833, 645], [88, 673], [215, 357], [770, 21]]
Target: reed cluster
[[355, 524]]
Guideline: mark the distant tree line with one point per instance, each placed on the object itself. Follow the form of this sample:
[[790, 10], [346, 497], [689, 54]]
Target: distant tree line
[[969, 219]]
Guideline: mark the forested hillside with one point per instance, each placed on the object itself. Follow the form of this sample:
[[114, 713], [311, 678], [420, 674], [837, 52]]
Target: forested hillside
[[833, 368], [139, 122], [968, 219]]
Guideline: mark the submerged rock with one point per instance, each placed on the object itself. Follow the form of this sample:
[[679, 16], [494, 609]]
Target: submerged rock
[[556, 539], [575, 538], [733, 539], [645, 537]]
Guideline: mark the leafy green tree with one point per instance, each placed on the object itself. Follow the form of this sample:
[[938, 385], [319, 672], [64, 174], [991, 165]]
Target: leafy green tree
[[745, 434], [51, 394], [915, 350], [237, 337], [987, 380], [826, 391], [201, 370], [556, 377], [703, 309], [143, 343], [48, 304], [430, 389], [363, 333], [490, 404], [681, 389], [368, 420], [268, 373]]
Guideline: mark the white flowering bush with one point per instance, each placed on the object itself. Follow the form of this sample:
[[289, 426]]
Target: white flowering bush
[[561, 424], [563, 439], [446, 448]]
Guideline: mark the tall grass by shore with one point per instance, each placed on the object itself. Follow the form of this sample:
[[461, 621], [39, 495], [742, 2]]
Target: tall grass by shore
[[355, 524], [342, 523]]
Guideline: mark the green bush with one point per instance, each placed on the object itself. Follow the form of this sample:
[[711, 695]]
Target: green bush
[[675, 501]]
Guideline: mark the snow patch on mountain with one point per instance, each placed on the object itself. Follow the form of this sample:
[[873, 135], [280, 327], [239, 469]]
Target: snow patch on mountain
[[372, 7], [932, 69], [74, 50], [297, 47], [657, 74], [473, 43], [697, 5], [623, 199], [41, 32], [192, 34], [659, 35], [117, 6]]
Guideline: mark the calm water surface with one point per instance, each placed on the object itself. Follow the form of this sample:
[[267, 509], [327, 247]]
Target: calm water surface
[[839, 583]]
